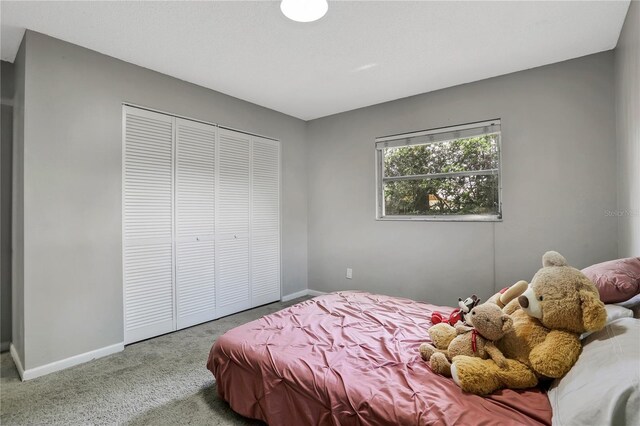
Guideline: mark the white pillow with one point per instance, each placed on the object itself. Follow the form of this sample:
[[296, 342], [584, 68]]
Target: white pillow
[[614, 312], [633, 304], [602, 388]]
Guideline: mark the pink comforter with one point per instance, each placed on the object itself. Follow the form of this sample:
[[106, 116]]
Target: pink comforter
[[351, 358]]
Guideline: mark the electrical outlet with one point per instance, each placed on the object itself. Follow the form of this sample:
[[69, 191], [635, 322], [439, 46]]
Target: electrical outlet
[[349, 273]]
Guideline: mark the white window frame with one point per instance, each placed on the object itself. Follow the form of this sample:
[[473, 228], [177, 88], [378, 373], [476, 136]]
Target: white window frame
[[438, 135]]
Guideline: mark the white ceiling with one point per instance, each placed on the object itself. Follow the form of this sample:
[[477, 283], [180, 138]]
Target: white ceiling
[[361, 53]]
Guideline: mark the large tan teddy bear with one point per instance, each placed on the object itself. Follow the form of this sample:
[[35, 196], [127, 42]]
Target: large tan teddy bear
[[487, 323], [548, 318]]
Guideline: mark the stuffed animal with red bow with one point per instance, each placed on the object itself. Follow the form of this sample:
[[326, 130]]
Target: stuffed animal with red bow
[[458, 314], [487, 323]]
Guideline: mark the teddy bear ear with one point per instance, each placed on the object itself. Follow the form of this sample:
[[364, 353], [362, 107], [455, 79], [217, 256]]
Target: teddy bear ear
[[553, 258], [594, 316], [507, 323]]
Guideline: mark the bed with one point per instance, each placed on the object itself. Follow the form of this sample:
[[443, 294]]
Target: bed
[[351, 358]]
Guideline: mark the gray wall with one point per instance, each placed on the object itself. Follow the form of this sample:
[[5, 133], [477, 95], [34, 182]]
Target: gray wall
[[558, 177], [627, 81], [6, 158], [72, 196], [17, 217]]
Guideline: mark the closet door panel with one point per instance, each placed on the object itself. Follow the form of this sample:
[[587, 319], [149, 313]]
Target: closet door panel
[[195, 283], [232, 269], [233, 183], [148, 291], [265, 221], [195, 219], [265, 270], [232, 222], [147, 224]]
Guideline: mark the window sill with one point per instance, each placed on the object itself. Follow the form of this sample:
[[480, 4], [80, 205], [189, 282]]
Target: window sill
[[452, 218]]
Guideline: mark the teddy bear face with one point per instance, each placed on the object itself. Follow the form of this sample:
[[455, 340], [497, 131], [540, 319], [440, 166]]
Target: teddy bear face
[[563, 298], [489, 320]]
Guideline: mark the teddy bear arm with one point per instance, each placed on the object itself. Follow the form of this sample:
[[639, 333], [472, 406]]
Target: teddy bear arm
[[511, 293], [556, 355], [495, 354]]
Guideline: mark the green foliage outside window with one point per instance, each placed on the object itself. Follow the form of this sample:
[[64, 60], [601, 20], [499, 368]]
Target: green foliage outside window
[[458, 195]]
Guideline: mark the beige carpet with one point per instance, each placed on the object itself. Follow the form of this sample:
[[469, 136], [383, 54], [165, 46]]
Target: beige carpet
[[160, 381]]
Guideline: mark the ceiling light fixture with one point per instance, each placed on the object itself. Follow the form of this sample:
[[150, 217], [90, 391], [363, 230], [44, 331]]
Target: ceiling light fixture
[[304, 10]]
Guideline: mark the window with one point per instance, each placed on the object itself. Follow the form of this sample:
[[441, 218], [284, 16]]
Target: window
[[449, 173]]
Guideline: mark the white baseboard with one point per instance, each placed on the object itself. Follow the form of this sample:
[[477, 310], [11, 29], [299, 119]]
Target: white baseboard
[[16, 360], [294, 295], [4, 346], [301, 294], [62, 364]]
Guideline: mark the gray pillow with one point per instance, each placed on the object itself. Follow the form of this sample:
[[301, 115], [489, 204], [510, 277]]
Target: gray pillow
[[602, 388]]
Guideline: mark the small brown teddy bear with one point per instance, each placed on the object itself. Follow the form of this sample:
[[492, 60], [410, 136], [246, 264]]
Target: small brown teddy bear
[[487, 323], [548, 318]]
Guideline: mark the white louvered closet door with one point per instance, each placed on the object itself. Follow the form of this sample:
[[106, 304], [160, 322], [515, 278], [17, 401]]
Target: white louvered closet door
[[195, 215], [148, 224], [265, 221], [232, 222]]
